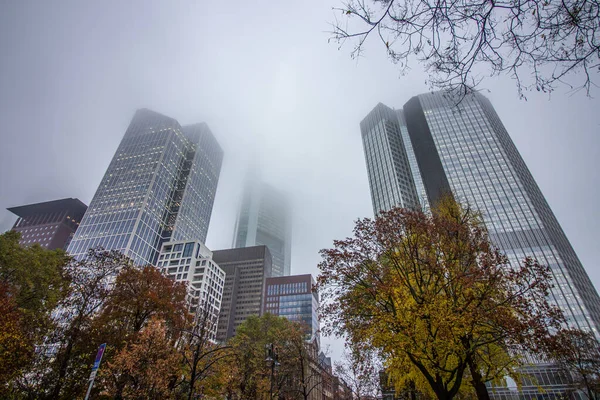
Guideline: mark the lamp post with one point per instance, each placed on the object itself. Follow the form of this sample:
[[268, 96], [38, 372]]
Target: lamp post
[[271, 358]]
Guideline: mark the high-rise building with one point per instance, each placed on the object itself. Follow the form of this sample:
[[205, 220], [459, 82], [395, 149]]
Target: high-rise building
[[191, 262], [51, 224], [246, 270], [264, 218], [160, 186], [388, 163], [465, 150], [292, 297]]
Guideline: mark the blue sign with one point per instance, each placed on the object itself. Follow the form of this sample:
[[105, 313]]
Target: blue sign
[[99, 356]]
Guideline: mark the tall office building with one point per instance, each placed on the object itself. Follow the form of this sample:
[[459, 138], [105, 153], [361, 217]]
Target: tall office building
[[51, 224], [467, 151], [191, 263], [292, 297], [160, 186], [246, 270], [388, 163], [264, 218]]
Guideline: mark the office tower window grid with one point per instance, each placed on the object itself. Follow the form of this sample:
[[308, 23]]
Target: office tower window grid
[[388, 168], [246, 270], [292, 297], [192, 264], [136, 206], [412, 161], [482, 173], [50, 224], [201, 170]]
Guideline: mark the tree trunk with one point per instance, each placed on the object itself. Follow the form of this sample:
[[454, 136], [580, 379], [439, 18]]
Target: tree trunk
[[477, 380]]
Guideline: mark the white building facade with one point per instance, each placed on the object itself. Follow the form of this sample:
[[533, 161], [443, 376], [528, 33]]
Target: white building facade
[[191, 262]]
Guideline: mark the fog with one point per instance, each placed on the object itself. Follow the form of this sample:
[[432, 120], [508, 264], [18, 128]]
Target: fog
[[264, 77]]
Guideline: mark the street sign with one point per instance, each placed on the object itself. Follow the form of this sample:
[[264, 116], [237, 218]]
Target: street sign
[[99, 356], [95, 367]]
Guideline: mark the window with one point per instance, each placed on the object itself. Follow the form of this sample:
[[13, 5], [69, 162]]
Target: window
[[178, 247], [189, 248]]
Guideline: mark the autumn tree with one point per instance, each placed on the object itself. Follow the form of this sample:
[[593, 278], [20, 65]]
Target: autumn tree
[[537, 43], [305, 370], [359, 370], [148, 365], [257, 376], [201, 355], [138, 295], [577, 352], [435, 299], [32, 282], [16, 347]]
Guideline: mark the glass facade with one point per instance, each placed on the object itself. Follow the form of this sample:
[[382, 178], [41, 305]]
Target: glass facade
[[264, 218], [159, 186], [292, 297], [388, 167], [465, 150]]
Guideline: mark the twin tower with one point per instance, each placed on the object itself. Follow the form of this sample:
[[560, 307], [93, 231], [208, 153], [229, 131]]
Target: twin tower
[[438, 144]]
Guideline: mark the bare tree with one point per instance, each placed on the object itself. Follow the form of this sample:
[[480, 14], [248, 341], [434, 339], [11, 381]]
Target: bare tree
[[359, 370], [201, 353], [539, 43]]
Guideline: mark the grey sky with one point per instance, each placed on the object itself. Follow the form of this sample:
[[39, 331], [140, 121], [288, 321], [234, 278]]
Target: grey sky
[[265, 79]]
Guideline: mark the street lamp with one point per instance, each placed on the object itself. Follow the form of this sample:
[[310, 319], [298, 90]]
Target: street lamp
[[272, 358]]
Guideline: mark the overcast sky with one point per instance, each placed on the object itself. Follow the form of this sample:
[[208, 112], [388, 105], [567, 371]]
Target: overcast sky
[[264, 77]]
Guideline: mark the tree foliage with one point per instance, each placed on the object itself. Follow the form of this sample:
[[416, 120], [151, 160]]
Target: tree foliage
[[578, 353], [33, 280], [146, 367], [439, 303], [257, 377], [359, 370], [203, 359], [538, 43]]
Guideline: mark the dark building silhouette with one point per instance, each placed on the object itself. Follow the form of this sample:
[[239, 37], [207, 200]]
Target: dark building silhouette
[[51, 224]]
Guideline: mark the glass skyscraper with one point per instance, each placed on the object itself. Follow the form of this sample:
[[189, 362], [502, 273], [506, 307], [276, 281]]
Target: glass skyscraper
[[465, 150], [264, 218], [160, 186], [388, 164]]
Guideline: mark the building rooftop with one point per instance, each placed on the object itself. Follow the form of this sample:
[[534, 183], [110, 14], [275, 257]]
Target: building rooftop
[[74, 205]]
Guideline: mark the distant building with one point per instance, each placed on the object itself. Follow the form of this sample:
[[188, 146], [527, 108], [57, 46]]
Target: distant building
[[265, 218], [159, 187], [191, 262], [246, 270], [292, 297], [51, 224]]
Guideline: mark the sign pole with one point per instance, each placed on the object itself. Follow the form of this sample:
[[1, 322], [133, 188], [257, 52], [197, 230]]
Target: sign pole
[[99, 355]]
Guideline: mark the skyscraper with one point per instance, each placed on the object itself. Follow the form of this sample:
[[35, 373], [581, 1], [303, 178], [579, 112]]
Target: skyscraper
[[51, 224], [465, 150], [388, 164], [246, 270], [159, 186], [264, 218]]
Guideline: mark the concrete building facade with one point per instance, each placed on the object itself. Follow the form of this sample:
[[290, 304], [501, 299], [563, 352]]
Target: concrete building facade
[[246, 270]]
